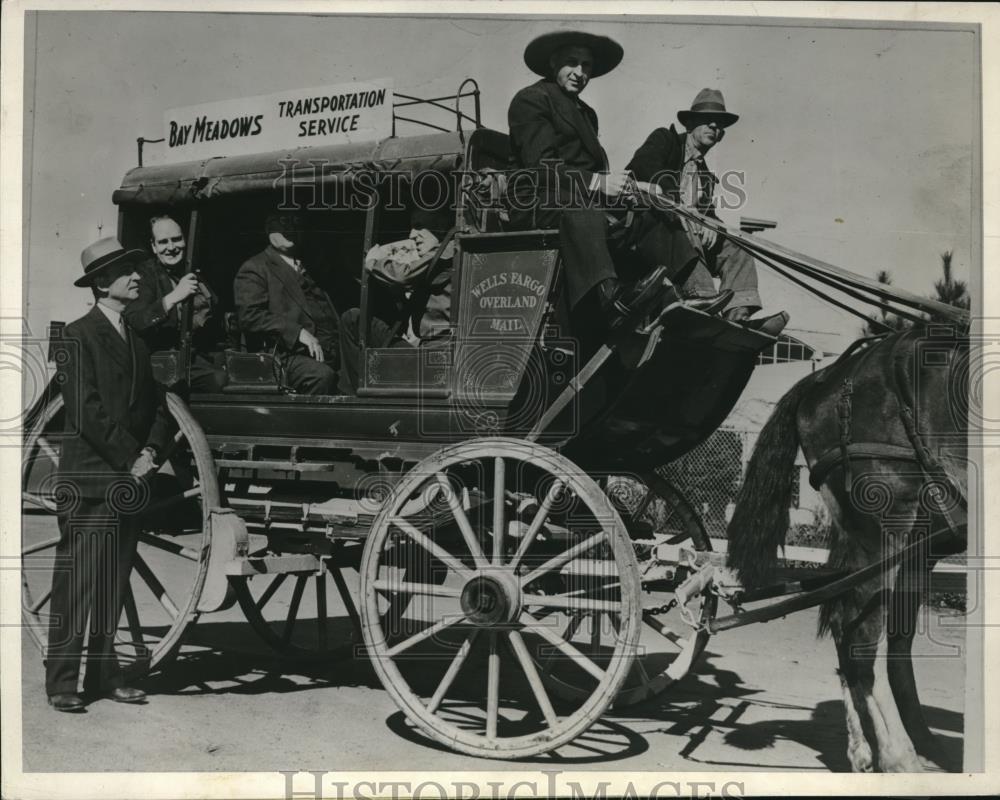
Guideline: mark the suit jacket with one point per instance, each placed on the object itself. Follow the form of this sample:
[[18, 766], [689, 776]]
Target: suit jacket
[[114, 408], [271, 304], [161, 330], [547, 124], [660, 160]]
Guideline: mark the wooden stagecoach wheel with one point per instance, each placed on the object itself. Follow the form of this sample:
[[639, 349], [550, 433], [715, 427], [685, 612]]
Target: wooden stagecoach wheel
[[300, 615], [516, 541], [172, 556], [656, 513]]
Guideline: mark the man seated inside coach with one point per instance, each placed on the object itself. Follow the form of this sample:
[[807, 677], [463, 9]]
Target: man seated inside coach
[[417, 272], [279, 301]]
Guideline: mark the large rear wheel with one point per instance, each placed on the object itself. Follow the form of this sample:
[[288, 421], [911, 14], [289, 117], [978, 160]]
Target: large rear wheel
[[171, 561]]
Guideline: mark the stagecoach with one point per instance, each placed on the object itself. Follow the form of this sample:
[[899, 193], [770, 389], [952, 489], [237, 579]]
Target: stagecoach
[[485, 519]]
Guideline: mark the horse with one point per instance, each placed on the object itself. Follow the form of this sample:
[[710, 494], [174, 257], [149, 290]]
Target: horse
[[883, 431]]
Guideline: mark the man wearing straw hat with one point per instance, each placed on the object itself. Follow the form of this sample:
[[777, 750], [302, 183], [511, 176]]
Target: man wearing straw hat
[[563, 179], [673, 164], [115, 426]]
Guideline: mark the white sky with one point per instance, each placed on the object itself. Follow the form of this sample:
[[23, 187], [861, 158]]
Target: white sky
[[857, 140]]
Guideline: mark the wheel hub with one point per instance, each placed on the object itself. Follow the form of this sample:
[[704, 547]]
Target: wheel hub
[[491, 599]]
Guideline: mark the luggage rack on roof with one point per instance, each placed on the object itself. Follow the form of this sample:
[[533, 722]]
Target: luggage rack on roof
[[401, 100]]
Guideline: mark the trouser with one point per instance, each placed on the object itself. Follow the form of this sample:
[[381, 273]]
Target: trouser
[[583, 241], [207, 372], [306, 375], [380, 334], [736, 270], [657, 239], [89, 583]]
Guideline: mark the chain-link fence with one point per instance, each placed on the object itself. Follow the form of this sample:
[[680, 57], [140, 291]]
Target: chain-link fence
[[710, 477]]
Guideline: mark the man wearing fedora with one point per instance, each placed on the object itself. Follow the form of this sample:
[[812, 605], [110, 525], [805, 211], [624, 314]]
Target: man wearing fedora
[[279, 304], [156, 312], [563, 179], [673, 163], [115, 426]]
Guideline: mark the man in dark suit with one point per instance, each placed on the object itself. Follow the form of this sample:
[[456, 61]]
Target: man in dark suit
[[280, 304], [115, 426], [562, 178], [156, 312], [673, 164]]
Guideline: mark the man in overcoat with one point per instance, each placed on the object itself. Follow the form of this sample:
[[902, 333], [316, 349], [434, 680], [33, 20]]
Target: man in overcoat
[[562, 177], [673, 164], [116, 425], [279, 303], [156, 312]]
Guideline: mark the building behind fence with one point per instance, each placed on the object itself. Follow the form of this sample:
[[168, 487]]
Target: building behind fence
[[710, 476]]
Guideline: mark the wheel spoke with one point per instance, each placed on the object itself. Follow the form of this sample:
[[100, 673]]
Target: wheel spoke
[[45, 503], [492, 688], [159, 592], [348, 600], [463, 522], [34, 548], [572, 603], [432, 547], [41, 601], [134, 626], [641, 508], [575, 655], [293, 609], [42, 443], [272, 587], [170, 547], [427, 633], [537, 522], [321, 610], [564, 557], [432, 589], [595, 632], [167, 502], [453, 668], [541, 697], [499, 479]]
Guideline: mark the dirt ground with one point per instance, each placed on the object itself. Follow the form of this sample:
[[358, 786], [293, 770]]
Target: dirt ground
[[764, 697]]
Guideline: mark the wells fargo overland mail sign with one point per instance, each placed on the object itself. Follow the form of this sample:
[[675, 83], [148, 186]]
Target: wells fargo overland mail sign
[[349, 112]]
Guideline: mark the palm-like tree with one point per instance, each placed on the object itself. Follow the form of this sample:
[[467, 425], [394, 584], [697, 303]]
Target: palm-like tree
[[884, 320], [947, 289]]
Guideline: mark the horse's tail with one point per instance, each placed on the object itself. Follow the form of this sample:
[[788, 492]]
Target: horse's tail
[[760, 520]]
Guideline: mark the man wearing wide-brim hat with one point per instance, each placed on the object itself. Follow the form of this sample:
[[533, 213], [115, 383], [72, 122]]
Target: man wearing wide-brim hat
[[562, 177], [116, 425], [673, 163]]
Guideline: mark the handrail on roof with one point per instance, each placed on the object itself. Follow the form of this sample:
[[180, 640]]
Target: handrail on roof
[[408, 100], [438, 102]]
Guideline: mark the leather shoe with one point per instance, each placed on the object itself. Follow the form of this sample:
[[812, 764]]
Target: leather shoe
[[710, 305], [127, 694], [772, 325], [69, 702], [623, 302]]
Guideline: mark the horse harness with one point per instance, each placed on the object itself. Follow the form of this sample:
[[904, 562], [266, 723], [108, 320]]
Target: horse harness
[[917, 452], [818, 590]]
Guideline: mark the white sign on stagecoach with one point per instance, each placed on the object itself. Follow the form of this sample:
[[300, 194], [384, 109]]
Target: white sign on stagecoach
[[339, 114]]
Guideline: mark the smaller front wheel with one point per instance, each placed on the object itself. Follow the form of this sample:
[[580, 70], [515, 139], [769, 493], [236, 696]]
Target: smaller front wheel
[[501, 544]]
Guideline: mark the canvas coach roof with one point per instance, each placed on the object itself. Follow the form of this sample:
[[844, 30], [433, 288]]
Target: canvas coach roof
[[187, 182]]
